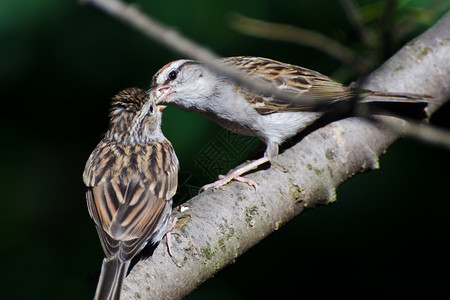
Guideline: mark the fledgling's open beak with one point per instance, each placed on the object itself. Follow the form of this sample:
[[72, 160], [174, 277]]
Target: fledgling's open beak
[[160, 108]]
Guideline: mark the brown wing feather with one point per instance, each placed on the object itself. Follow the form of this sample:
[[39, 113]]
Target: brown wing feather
[[301, 82], [129, 200]]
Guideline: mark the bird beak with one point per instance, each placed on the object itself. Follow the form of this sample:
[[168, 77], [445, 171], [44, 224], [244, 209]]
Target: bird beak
[[160, 108], [160, 93]]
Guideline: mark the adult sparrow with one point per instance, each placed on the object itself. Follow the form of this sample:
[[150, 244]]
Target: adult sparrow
[[131, 177], [193, 86]]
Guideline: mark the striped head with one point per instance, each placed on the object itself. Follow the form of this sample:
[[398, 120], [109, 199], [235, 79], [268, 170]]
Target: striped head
[[187, 84], [134, 118]]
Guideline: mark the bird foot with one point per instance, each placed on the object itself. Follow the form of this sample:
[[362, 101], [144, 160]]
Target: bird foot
[[279, 167], [171, 224], [224, 179]]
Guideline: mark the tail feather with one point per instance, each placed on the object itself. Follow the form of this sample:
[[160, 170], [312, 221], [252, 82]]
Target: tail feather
[[374, 96], [111, 279], [401, 104]]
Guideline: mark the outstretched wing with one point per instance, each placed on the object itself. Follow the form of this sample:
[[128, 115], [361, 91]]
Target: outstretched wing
[[301, 82]]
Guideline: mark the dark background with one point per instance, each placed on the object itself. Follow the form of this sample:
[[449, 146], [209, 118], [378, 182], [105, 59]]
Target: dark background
[[60, 63]]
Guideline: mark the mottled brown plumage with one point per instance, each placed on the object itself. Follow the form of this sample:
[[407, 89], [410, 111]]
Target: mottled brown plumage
[[289, 78], [195, 87], [131, 177], [300, 82]]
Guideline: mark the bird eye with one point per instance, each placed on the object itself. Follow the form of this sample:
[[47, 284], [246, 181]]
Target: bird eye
[[173, 75], [151, 109]]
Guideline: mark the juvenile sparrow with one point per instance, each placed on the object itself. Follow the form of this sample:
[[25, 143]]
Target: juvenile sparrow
[[193, 86], [131, 177]]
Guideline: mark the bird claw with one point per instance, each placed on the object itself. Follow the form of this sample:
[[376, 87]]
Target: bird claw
[[279, 167]]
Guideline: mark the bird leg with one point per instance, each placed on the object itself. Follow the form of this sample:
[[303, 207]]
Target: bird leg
[[236, 175]]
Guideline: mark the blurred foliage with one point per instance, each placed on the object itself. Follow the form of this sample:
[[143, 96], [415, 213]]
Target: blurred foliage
[[61, 63]]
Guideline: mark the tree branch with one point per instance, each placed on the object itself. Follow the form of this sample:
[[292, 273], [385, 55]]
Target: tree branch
[[301, 36], [132, 16], [218, 226], [419, 131]]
